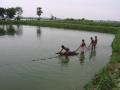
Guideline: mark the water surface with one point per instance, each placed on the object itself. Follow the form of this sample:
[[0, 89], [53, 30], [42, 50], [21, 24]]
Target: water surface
[[26, 43]]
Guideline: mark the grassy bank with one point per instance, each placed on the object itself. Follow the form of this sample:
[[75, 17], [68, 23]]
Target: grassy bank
[[78, 25], [108, 77]]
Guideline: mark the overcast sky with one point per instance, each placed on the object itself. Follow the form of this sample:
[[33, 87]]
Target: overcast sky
[[89, 9]]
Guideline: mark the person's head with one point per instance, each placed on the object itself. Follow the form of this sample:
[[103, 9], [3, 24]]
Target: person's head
[[91, 38], [62, 46], [83, 40]]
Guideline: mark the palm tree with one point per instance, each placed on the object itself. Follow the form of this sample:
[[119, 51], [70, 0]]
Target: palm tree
[[39, 12]]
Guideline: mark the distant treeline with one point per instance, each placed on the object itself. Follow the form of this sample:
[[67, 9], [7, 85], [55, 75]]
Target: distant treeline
[[9, 13]]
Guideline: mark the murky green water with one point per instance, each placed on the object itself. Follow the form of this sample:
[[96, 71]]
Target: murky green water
[[26, 43]]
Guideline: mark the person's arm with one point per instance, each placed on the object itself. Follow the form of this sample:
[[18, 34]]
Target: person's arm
[[61, 50]]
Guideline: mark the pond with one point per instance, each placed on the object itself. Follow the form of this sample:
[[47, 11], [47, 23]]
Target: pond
[[23, 47]]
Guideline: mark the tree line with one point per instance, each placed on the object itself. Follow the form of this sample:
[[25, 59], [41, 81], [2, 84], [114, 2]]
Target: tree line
[[9, 13]]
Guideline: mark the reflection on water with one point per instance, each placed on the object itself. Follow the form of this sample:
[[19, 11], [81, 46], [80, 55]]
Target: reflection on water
[[63, 59], [38, 32], [10, 30], [19, 30], [92, 54], [82, 58]]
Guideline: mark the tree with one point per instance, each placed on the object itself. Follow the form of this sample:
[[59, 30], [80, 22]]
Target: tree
[[10, 12], [39, 12], [83, 19], [2, 12], [19, 12], [52, 17]]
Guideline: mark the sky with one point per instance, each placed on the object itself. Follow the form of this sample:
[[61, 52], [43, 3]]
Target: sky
[[77, 9]]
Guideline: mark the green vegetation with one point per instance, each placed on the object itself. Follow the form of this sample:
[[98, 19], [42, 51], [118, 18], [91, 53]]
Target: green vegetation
[[88, 26], [2, 12], [10, 13], [108, 77], [116, 43]]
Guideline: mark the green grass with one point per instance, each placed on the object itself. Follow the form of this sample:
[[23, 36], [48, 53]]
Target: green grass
[[102, 81], [87, 26], [113, 24], [116, 42]]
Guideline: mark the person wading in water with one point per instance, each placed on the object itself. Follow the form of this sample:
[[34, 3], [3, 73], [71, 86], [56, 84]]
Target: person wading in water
[[95, 42], [66, 51], [92, 43], [82, 51], [83, 46]]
